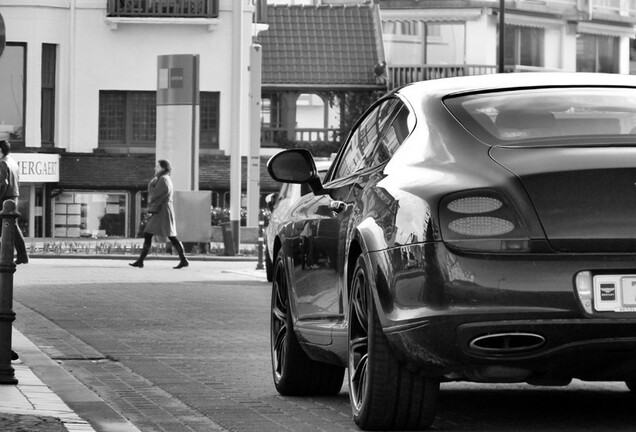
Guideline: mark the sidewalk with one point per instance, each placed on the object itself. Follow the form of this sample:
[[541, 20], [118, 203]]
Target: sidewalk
[[33, 406], [47, 398]]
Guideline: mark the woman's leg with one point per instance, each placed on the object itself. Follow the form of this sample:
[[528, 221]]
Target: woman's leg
[[183, 262], [20, 247], [144, 251]]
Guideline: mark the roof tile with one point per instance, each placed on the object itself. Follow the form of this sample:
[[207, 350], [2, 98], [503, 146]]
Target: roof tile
[[332, 45]]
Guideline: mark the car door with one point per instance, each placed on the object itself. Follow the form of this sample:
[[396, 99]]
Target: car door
[[321, 230]]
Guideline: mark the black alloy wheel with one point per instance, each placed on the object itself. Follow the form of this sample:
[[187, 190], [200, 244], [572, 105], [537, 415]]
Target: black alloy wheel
[[384, 394]]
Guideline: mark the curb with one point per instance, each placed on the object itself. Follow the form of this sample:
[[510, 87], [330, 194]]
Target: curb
[[148, 258], [84, 403]]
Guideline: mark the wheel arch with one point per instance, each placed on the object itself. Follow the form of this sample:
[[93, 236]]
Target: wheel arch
[[369, 237], [276, 247]]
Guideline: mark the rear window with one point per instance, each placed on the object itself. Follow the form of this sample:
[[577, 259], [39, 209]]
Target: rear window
[[549, 115]]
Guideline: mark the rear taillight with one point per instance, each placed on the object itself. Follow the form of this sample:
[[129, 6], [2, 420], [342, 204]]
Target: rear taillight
[[482, 220]]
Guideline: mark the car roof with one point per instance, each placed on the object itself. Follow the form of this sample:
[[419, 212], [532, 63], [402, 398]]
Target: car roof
[[502, 81]]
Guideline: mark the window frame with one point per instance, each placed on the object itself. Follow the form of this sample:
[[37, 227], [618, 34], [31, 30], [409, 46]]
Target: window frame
[[516, 34], [68, 197], [209, 106], [128, 125], [214, 99], [48, 90], [20, 141], [384, 111], [598, 66]]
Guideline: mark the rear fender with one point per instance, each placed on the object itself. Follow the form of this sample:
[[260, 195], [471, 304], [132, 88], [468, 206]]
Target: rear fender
[[370, 237]]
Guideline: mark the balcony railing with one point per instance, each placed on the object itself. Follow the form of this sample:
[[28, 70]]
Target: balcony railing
[[400, 75], [163, 8], [272, 136], [625, 8]]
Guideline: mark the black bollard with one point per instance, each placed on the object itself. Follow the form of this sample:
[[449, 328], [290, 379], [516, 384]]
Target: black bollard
[[7, 268], [259, 265]]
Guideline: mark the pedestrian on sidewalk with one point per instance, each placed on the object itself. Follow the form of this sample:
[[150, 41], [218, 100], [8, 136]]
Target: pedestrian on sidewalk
[[10, 189], [161, 211]]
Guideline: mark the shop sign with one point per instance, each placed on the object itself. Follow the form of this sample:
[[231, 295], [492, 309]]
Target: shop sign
[[38, 167]]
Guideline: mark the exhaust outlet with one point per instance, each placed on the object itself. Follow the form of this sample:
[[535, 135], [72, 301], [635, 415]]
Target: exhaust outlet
[[507, 343]]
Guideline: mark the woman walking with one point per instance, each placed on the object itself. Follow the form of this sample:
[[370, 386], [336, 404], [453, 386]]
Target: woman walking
[[161, 210]]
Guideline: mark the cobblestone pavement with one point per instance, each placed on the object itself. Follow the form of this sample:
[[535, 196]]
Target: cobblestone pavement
[[188, 351], [30, 423], [171, 350]]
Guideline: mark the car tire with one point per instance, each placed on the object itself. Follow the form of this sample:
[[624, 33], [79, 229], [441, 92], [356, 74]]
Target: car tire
[[295, 374], [384, 394], [269, 266]]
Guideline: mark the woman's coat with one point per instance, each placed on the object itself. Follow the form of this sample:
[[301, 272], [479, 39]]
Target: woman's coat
[[161, 221]]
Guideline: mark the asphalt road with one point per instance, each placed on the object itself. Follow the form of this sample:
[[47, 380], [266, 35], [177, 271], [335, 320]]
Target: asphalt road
[[188, 350]]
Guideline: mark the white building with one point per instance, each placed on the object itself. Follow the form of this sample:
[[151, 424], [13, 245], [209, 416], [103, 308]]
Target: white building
[[78, 81], [431, 39]]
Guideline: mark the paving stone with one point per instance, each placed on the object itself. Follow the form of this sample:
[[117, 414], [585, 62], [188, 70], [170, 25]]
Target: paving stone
[[30, 423], [188, 348]]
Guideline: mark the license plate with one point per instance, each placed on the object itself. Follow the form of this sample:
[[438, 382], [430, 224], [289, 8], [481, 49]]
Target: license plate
[[615, 293]]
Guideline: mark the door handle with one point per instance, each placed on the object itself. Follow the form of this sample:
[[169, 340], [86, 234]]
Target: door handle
[[337, 206]]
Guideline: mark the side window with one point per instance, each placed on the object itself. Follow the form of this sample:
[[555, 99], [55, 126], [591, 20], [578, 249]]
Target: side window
[[359, 151], [350, 158], [383, 146], [393, 136]]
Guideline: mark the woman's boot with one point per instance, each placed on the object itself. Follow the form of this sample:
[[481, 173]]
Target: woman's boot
[[139, 263], [179, 247], [144, 251]]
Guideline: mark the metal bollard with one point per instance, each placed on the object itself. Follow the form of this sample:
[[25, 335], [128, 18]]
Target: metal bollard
[[259, 265], [7, 268]]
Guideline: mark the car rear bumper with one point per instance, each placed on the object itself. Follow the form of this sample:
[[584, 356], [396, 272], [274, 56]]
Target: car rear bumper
[[501, 318], [590, 350]]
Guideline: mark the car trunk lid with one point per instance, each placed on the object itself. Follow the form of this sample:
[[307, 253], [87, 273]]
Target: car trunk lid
[[585, 197]]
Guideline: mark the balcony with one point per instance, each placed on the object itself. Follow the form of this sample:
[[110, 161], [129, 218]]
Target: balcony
[[613, 9], [275, 136], [400, 75], [163, 8]]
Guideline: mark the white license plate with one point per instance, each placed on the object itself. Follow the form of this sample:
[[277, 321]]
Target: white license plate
[[615, 293]]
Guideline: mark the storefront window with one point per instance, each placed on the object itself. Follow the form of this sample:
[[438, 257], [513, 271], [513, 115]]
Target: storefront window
[[23, 208], [90, 214], [38, 209]]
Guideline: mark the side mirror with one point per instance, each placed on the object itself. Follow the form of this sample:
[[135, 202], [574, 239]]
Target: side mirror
[[295, 166]]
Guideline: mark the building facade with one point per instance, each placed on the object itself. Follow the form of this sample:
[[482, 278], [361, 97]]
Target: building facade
[[428, 39], [79, 79]]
